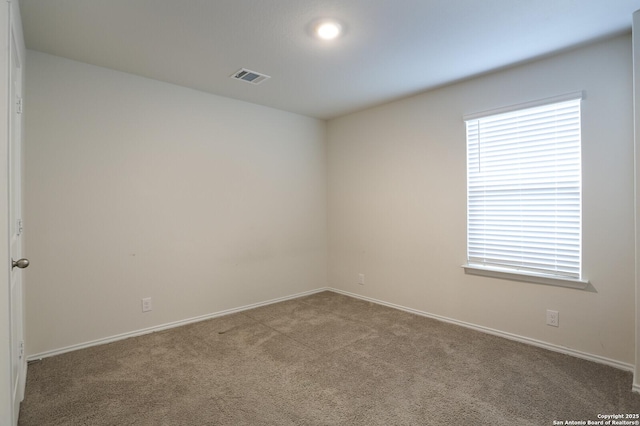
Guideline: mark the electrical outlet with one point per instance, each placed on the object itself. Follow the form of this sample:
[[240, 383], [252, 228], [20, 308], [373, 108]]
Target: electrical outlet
[[146, 304], [361, 279], [553, 318]]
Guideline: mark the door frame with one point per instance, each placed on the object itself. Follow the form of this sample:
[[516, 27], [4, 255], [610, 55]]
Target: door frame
[[16, 53], [9, 22]]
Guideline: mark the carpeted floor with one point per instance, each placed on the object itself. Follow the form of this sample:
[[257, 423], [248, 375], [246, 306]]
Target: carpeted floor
[[324, 359]]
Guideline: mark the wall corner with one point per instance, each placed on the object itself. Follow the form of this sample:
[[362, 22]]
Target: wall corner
[[636, 121]]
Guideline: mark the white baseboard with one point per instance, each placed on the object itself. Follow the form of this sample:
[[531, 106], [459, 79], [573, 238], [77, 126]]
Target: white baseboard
[[636, 387], [166, 326], [510, 336]]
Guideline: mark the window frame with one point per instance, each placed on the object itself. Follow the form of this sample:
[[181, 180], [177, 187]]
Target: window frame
[[509, 272]]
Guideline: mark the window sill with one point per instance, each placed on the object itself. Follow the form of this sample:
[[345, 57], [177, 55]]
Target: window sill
[[525, 276]]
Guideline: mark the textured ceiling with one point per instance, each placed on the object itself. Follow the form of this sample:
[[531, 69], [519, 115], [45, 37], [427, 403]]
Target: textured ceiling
[[391, 48]]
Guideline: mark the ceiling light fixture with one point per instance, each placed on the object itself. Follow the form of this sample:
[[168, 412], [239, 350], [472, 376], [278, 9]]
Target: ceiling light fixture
[[328, 29]]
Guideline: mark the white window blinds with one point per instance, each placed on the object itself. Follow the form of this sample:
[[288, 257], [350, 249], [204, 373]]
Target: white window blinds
[[524, 190]]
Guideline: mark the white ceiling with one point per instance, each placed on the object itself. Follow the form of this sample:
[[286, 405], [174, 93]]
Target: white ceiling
[[391, 48]]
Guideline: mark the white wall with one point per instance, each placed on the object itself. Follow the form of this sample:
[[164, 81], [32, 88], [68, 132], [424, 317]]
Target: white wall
[[136, 188], [397, 204]]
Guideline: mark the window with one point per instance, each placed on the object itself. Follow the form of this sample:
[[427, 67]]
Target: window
[[524, 192]]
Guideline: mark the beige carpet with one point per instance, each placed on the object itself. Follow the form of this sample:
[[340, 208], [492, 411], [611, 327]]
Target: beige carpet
[[324, 359]]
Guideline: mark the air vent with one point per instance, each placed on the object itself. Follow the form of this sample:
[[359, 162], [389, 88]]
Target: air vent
[[249, 76]]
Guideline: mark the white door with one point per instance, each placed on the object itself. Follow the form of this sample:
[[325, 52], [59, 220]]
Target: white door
[[16, 58]]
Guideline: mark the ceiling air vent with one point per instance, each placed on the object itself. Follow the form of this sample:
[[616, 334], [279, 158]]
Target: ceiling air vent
[[249, 76]]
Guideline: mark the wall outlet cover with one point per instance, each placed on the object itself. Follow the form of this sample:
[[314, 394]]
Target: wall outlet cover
[[146, 304], [553, 318]]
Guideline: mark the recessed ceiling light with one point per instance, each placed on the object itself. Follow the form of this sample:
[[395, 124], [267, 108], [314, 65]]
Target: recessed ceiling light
[[328, 29]]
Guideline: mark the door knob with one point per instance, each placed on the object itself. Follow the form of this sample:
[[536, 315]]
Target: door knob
[[22, 263]]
